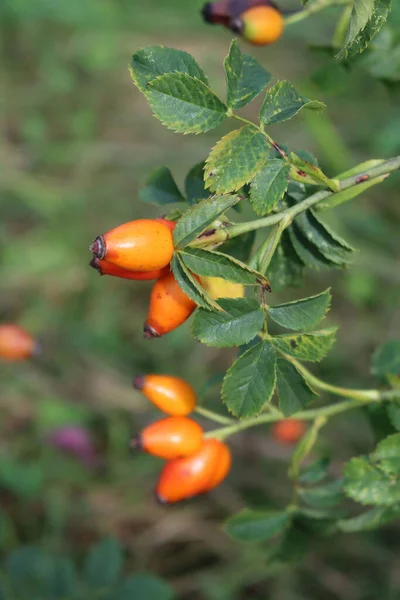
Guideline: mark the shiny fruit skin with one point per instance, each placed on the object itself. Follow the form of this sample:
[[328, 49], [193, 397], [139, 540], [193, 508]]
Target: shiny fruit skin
[[262, 25], [141, 245], [288, 431], [106, 268], [170, 438], [223, 466], [171, 395], [169, 307], [183, 478], [167, 222], [15, 343]]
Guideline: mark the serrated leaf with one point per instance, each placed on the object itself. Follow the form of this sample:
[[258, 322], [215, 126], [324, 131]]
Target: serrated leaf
[[245, 77], [301, 314], [285, 268], [334, 248], [190, 285], [242, 320], [323, 496], [387, 454], [315, 472], [293, 390], [145, 587], [282, 102], [235, 159], [269, 186], [250, 382], [255, 526], [148, 63], [386, 359], [307, 252], [305, 172], [103, 565], [372, 519], [367, 18], [195, 220], [185, 104], [161, 188], [367, 484], [240, 246], [195, 188], [312, 346], [215, 264]]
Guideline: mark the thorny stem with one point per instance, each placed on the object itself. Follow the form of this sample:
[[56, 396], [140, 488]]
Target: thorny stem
[[358, 398], [229, 232]]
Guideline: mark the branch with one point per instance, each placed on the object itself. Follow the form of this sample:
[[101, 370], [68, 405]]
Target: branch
[[231, 231]]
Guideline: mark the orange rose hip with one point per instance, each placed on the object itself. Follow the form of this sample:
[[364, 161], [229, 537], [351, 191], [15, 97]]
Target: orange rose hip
[[16, 343], [259, 25], [169, 307], [103, 267], [170, 438], [171, 395], [288, 431], [141, 245], [183, 478]]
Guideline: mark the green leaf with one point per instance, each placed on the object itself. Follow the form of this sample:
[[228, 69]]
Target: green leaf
[[249, 383], [245, 77], [324, 496], [195, 220], [367, 18], [308, 253], [103, 565], [367, 484], [285, 268], [235, 159], [293, 391], [145, 587], [242, 320], [386, 359], [328, 243], [254, 526], [148, 63], [387, 454], [312, 346], [269, 186], [210, 263], [349, 194], [372, 519], [304, 171], [239, 247], [315, 472], [190, 285], [160, 188], [393, 411], [282, 102], [184, 103], [195, 188], [301, 314]]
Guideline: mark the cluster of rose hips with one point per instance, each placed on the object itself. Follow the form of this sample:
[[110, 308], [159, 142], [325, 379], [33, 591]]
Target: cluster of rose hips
[[142, 250], [195, 464]]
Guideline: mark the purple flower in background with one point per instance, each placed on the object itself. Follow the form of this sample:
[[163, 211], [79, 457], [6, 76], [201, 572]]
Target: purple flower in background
[[75, 440]]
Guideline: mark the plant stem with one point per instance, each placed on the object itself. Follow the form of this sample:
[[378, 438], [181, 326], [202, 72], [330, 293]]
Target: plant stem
[[312, 9], [229, 232], [209, 414]]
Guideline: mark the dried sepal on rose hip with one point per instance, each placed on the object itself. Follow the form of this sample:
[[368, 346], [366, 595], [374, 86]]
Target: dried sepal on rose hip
[[170, 438], [141, 245], [288, 431], [169, 307], [16, 343], [183, 478], [172, 395]]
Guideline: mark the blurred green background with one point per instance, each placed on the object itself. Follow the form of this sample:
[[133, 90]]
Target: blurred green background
[[78, 141]]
